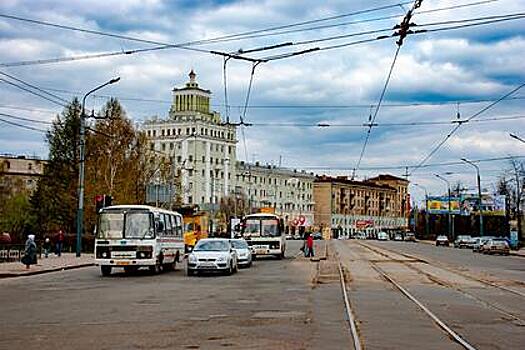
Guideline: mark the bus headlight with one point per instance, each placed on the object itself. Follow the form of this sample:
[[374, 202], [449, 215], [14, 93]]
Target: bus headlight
[[104, 254]]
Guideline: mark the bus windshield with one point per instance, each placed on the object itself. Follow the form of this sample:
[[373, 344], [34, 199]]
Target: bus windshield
[[138, 225], [262, 227]]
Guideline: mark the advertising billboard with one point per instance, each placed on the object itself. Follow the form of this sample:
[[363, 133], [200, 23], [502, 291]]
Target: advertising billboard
[[467, 205]]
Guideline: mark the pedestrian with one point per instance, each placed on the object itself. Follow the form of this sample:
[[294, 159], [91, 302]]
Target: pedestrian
[[30, 252], [59, 243], [46, 246], [305, 244], [310, 246]]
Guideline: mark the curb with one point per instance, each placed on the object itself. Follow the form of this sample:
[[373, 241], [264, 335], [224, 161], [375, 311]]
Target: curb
[[40, 272]]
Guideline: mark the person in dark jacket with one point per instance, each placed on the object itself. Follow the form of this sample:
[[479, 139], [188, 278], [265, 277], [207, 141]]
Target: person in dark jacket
[[47, 246], [30, 252], [60, 243]]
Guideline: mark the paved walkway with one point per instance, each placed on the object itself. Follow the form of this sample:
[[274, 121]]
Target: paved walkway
[[52, 263]]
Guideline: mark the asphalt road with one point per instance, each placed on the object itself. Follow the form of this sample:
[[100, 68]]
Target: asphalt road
[[448, 281], [273, 305]]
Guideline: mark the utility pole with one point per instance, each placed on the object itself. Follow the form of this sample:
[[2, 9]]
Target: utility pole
[[450, 230], [82, 150], [427, 228], [480, 201]]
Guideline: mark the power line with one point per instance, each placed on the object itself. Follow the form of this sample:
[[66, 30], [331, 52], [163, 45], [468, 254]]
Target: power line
[[59, 98], [22, 126], [26, 119], [453, 131], [231, 37], [32, 92]]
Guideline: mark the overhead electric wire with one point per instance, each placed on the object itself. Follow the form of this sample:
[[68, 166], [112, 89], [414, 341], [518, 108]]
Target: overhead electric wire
[[32, 92], [245, 35], [22, 126], [362, 125], [25, 119], [403, 167], [502, 18], [453, 131], [59, 98]]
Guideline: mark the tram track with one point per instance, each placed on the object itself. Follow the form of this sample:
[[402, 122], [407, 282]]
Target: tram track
[[446, 268], [439, 281], [442, 325]]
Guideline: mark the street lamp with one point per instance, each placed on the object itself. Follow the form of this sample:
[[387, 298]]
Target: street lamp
[[517, 137], [450, 233], [427, 228], [481, 231], [80, 212]]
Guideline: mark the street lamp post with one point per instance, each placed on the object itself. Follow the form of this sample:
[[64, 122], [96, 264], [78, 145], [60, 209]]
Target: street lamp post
[[426, 208], [80, 211], [480, 202], [450, 233]]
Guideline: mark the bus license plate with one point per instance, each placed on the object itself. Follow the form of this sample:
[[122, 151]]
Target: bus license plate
[[122, 263]]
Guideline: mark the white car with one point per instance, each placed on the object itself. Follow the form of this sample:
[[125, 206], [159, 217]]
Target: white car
[[382, 236], [244, 252], [212, 255]]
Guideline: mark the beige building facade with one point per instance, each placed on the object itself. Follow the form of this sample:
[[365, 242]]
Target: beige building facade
[[347, 206], [20, 171]]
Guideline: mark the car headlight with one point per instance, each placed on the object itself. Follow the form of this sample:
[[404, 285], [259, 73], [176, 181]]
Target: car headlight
[[192, 258], [221, 259]]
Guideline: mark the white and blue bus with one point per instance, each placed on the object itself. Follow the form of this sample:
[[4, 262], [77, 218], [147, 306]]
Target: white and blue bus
[[134, 236], [264, 234]]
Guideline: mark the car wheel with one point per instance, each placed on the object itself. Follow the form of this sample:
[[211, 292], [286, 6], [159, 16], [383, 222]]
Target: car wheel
[[105, 270]]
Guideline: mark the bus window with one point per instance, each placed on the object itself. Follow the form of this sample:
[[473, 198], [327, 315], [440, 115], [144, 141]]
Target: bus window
[[110, 225], [138, 225], [168, 224], [178, 226], [159, 225], [270, 228]]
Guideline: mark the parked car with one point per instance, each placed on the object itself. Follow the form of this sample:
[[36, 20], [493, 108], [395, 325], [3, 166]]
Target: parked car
[[442, 240], [478, 243], [382, 236], [495, 246], [463, 241], [360, 235], [212, 255], [244, 252], [410, 237], [398, 237]]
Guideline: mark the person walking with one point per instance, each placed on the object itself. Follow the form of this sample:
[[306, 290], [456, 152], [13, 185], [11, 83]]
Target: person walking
[[30, 252], [60, 243], [310, 246], [46, 246]]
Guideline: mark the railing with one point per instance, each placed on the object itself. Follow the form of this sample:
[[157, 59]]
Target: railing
[[14, 252]]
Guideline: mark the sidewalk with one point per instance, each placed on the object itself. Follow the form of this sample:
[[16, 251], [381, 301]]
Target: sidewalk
[[53, 263], [519, 252]]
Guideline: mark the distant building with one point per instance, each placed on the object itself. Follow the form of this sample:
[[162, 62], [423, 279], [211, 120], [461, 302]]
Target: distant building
[[288, 192], [348, 206], [20, 172], [200, 145]]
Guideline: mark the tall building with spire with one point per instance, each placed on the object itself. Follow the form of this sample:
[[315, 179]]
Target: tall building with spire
[[202, 148]]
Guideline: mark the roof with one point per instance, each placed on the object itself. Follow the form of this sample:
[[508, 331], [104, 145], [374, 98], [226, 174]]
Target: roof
[[139, 206], [386, 177], [346, 181], [259, 215]]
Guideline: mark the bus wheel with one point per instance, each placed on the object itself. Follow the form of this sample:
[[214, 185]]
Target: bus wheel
[[105, 270], [155, 269]]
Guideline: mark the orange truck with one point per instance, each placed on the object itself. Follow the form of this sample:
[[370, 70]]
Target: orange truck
[[196, 227]]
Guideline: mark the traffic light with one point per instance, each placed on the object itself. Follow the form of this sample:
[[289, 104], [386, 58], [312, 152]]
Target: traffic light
[[99, 202], [102, 201]]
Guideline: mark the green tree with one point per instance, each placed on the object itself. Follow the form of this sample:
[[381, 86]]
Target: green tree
[[54, 202]]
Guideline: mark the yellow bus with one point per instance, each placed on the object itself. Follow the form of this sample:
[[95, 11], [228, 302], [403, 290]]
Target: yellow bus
[[196, 227]]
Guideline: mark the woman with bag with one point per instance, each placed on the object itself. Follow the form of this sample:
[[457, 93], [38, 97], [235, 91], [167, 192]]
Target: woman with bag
[[30, 252]]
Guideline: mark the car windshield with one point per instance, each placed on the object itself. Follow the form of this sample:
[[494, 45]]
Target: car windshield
[[239, 244], [212, 246], [111, 225]]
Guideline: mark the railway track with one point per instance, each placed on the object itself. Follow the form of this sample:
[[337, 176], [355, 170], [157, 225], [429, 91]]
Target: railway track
[[359, 343], [446, 268]]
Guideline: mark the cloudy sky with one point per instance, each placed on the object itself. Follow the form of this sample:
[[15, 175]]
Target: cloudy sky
[[434, 70]]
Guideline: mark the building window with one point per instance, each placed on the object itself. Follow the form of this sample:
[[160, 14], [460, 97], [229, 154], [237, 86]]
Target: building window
[[154, 133], [29, 166], [190, 200], [151, 147], [149, 133], [193, 131], [162, 132], [202, 172], [163, 146], [190, 173], [204, 159], [168, 132], [179, 159], [190, 158], [172, 146]]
